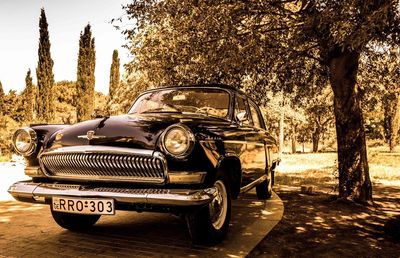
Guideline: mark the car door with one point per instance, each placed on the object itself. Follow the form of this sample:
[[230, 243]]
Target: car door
[[249, 147], [256, 141]]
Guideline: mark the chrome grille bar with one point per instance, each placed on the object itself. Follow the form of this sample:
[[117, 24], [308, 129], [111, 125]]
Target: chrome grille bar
[[104, 163]]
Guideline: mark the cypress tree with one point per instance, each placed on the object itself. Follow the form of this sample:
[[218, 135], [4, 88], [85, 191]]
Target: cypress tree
[[114, 74], [44, 73], [114, 78], [28, 97], [85, 75], [1, 99]]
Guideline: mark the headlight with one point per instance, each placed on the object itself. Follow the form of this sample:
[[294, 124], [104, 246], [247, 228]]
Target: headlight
[[178, 140], [25, 141]]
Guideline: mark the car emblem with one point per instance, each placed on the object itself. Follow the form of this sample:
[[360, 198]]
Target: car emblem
[[90, 135]]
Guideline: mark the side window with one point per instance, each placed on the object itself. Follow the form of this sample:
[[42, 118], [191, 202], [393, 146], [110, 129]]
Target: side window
[[241, 110], [254, 115]]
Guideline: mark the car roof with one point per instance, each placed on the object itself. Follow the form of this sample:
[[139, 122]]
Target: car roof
[[221, 86]]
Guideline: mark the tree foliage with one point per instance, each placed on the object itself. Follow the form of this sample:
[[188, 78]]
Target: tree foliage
[[65, 98], [29, 98], [269, 45], [114, 74], [114, 81], [44, 73], [320, 117], [85, 75], [131, 86], [13, 106], [380, 75]]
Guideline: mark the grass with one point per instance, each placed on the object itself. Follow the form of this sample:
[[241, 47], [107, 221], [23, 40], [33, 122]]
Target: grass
[[384, 166], [320, 169]]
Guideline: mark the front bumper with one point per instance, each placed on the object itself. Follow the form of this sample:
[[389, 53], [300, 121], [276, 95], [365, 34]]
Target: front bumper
[[29, 191]]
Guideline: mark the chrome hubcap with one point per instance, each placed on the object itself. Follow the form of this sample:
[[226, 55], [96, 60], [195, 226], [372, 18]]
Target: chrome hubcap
[[219, 205]]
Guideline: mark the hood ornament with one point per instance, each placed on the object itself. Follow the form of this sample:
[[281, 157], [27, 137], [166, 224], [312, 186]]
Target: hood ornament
[[90, 135]]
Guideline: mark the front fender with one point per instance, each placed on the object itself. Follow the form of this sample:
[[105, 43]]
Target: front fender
[[44, 134]]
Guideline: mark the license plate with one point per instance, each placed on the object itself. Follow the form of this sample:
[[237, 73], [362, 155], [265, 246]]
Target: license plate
[[84, 205]]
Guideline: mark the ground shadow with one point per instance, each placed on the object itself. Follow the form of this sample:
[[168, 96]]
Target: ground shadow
[[314, 226]]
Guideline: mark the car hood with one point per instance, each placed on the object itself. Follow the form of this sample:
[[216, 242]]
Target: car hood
[[134, 130]]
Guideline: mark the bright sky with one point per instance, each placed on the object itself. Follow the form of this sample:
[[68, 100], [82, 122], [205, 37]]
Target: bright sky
[[19, 38]]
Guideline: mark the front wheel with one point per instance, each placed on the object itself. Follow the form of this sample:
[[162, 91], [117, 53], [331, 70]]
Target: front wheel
[[209, 224], [74, 222]]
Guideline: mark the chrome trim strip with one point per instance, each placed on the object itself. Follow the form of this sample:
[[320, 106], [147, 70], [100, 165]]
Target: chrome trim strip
[[37, 192], [186, 177], [241, 142], [98, 149], [253, 184]]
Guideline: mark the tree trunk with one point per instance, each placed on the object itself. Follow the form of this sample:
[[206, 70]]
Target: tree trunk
[[281, 131], [354, 180], [315, 139], [294, 149], [395, 123]]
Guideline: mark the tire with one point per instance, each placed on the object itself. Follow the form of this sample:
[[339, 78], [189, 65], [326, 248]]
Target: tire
[[206, 229], [74, 222], [264, 190]]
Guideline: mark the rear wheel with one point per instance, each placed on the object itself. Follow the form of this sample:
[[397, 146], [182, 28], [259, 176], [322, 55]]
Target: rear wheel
[[264, 190], [209, 224], [74, 222]]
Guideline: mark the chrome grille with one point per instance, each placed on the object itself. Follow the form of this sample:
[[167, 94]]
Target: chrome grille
[[104, 166], [131, 191]]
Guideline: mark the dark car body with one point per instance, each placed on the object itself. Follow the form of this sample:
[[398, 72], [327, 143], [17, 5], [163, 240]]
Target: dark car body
[[123, 158]]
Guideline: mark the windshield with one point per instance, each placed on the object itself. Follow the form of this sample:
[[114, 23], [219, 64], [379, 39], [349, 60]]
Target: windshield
[[212, 102]]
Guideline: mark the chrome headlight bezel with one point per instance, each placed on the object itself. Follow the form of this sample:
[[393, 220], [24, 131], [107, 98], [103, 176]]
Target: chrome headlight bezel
[[189, 136], [31, 146]]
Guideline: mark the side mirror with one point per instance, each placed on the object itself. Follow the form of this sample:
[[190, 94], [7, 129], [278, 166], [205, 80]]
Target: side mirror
[[241, 117]]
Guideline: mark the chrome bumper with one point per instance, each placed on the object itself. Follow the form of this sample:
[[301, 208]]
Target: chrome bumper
[[38, 193]]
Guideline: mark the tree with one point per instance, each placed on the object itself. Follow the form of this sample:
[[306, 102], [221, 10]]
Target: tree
[[13, 106], [1, 99], [114, 79], [85, 75], [319, 116], [44, 73], [29, 98], [340, 32], [65, 98], [225, 41], [131, 86], [11, 116], [380, 73], [114, 74], [65, 92]]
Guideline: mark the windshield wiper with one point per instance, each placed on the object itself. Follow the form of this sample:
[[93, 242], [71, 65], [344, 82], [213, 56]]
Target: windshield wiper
[[161, 111]]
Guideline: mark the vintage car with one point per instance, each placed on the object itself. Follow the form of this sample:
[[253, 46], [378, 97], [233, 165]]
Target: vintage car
[[184, 150]]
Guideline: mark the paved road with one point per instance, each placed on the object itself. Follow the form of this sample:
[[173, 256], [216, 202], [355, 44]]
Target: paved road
[[28, 230]]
